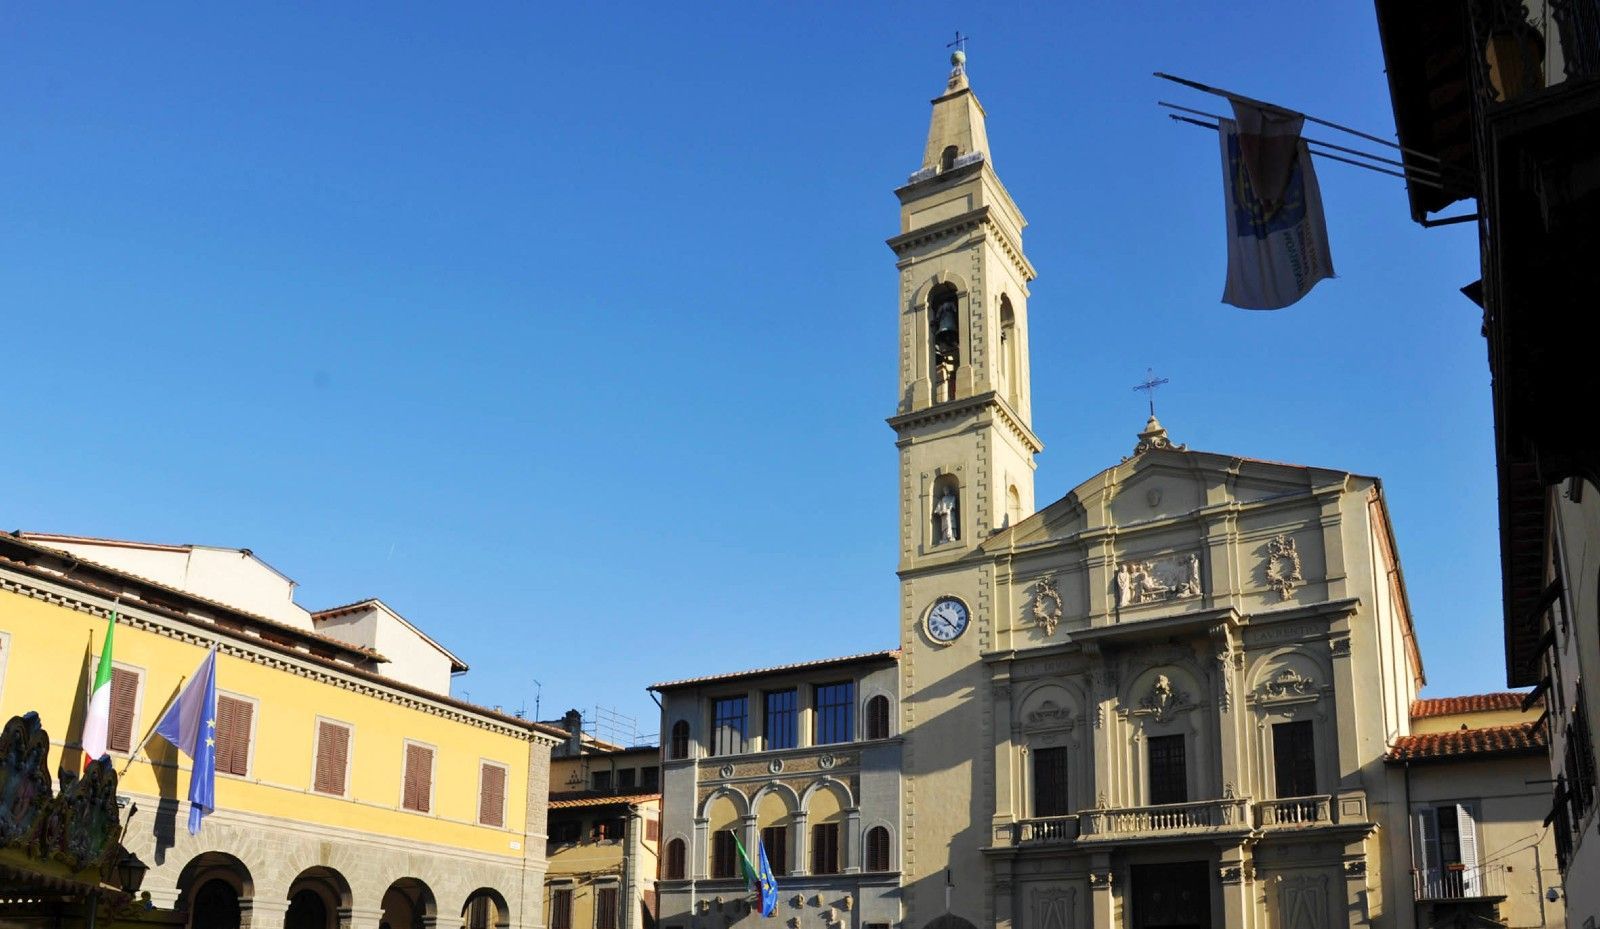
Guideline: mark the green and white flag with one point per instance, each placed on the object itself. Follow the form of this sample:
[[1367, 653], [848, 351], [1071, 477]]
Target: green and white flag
[[98, 720]]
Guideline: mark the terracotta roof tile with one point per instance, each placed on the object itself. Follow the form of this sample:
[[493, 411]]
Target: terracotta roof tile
[[1521, 739], [890, 655], [560, 802], [1475, 703]]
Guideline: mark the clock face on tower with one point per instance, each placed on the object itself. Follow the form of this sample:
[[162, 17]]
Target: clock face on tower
[[947, 619]]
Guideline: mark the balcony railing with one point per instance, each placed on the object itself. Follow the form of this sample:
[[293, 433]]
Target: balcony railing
[[1048, 829], [1454, 882], [1294, 811], [1170, 819]]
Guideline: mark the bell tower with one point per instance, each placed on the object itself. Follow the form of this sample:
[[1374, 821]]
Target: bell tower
[[963, 423]]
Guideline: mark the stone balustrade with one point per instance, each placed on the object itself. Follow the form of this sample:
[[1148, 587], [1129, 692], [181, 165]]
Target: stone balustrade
[[1045, 830], [1294, 811], [1169, 819]]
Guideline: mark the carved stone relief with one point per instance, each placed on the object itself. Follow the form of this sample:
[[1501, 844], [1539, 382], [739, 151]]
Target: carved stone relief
[[1049, 715], [1175, 577], [1283, 566], [1163, 700], [1047, 604], [1054, 908], [1286, 685]]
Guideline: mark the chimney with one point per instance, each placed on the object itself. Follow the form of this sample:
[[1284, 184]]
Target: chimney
[[573, 723]]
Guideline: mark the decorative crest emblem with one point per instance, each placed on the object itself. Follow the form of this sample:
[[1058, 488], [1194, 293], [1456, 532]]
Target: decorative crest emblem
[[1047, 605], [1283, 565]]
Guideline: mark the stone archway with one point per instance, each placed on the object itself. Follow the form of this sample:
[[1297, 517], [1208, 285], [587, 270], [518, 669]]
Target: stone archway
[[409, 904], [319, 898], [216, 889], [485, 909]]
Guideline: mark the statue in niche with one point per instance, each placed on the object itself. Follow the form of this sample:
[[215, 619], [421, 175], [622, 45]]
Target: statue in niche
[[944, 379], [1191, 577], [946, 516], [1124, 585]]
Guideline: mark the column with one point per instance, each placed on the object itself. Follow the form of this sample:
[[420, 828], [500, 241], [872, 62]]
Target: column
[[1002, 894], [1235, 877], [699, 849], [1102, 908], [1232, 769], [801, 864], [850, 855], [1355, 883], [256, 913]]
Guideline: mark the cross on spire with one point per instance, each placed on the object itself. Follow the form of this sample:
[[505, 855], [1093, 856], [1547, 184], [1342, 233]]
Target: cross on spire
[[960, 44], [1151, 382]]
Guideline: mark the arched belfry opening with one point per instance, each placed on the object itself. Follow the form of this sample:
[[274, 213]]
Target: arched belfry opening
[[1010, 352], [944, 341], [947, 158]]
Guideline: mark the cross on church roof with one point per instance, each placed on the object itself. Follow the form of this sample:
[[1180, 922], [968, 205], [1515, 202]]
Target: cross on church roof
[[1151, 382], [960, 44]]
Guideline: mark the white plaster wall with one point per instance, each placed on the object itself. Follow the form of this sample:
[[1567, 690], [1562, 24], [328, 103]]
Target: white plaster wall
[[226, 575]]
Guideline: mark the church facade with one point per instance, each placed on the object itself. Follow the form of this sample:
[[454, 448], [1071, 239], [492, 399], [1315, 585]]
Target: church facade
[[1170, 698]]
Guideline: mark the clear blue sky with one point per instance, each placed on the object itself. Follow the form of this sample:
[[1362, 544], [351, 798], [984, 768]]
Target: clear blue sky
[[570, 331]]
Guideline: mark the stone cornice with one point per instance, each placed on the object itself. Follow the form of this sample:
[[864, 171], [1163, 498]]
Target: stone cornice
[[958, 409], [956, 225], [263, 653]]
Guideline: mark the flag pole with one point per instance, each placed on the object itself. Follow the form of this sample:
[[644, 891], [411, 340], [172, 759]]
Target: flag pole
[[1338, 148], [1322, 154], [152, 730], [1241, 98]]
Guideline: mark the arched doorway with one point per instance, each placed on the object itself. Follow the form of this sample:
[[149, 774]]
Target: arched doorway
[[316, 898], [408, 904], [213, 887], [485, 909]]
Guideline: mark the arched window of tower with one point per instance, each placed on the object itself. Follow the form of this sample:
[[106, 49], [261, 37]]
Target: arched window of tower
[[947, 160], [944, 338], [1013, 506], [1009, 357]]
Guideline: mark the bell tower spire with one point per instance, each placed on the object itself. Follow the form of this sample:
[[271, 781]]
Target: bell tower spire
[[964, 414]]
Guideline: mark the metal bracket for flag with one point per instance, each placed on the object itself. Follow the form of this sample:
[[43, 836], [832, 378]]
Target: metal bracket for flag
[[1434, 176]]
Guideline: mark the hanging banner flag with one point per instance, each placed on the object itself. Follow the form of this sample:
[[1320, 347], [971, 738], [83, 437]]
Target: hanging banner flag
[[97, 722], [191, 726], [1277, 238]]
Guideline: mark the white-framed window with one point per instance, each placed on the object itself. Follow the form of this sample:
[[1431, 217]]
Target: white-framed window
[[492, 779], [5, 655], [330, 763], [127, 704], [235, 733], [416, 782], [1447, 850]]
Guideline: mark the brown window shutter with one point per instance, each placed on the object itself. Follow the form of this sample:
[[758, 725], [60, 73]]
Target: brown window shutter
[[124, 694], [333, 753], [233, 735], [419, 778], [492, 795]]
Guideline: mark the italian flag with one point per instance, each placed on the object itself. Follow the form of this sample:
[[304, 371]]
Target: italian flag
[[96, 723]]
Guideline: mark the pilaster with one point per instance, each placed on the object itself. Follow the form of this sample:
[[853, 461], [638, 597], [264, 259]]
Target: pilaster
[[256, 913], [1236, 880], [1102, 905]]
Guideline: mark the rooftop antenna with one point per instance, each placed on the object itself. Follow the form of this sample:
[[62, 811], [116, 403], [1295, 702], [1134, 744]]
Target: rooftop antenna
[[538, 695]]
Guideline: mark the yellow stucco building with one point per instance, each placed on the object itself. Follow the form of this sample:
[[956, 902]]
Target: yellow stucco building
[[604, 833], [352, 789]]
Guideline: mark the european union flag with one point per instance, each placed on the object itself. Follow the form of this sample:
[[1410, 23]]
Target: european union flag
[[762, 876], [769, 884], [191, 725]]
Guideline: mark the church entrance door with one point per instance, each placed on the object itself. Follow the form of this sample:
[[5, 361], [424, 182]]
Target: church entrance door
[[1172, 896]]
